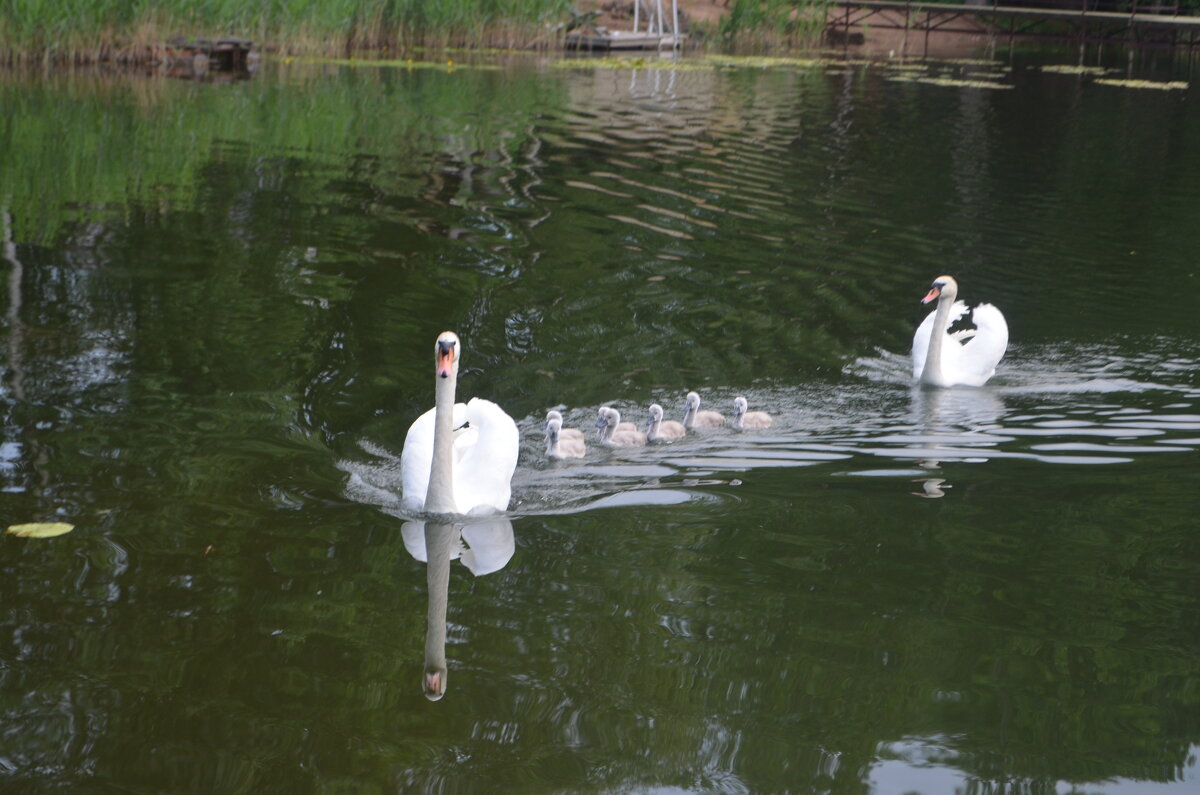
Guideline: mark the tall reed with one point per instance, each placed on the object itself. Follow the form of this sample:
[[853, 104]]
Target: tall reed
[[753, 24], [88, 30]]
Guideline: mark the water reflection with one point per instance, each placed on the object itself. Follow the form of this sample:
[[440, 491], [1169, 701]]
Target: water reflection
[[215, 305], [484, 547], [962, 408]]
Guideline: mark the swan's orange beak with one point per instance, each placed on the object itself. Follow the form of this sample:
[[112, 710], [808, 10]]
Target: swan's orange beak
[[445, 358], [435, 686], [933, 293]]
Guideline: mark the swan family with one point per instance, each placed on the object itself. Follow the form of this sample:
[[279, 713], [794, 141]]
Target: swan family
[[459, 458]]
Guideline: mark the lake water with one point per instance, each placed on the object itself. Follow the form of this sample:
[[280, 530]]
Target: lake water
[[222, 300]]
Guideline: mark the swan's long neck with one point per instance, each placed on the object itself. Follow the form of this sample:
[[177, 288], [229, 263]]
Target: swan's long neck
[[607, 429], [440, 496], [438, 540], [738, 418], [932, 374], [689, 417]]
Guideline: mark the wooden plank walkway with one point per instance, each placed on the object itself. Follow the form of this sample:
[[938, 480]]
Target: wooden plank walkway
[[1014, 22]]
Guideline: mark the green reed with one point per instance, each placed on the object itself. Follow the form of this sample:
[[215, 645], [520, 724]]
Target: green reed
[[90, 30], [756, 24]]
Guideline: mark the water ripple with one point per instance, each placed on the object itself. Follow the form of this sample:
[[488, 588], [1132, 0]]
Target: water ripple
[[1049, 418]]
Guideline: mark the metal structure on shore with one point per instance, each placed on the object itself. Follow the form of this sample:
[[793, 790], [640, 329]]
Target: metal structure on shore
[[1145, 25], [661, 31]]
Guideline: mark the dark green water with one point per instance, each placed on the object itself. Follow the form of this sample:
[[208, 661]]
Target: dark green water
[[221, 304]]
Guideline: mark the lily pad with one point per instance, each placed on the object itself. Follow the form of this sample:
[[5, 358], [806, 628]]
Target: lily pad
[[1157, 85], [1071, 69], [769, 62], [408, 63], [955, 83], [40, 529]]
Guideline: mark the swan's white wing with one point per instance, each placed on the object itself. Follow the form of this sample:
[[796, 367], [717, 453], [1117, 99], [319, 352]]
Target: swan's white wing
[[415, 461], [978, 358], [920, 346], [483, 469], [417, 457]]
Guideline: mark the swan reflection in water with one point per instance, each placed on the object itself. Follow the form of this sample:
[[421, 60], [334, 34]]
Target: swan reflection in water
[[483, 546], [931, 488], [956, 423]]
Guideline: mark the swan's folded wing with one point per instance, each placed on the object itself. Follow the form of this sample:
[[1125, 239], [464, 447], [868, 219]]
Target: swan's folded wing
[[415, 461], [920, 346], [483, 475], [985, 350], [417, 457], [465, 436]]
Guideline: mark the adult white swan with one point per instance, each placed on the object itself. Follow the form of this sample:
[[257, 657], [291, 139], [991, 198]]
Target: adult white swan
[[458, 458], [968, 357]]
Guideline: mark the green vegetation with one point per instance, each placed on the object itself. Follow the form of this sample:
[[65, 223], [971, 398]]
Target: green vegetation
[[772, 22], [129, 30], [136, 30]]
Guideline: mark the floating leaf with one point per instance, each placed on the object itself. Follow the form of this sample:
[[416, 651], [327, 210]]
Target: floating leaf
[[955, 83], [1160, 86], [666, 64], [970, 61], [40, 529], [394, 64], [1068, 69], [769, 62]]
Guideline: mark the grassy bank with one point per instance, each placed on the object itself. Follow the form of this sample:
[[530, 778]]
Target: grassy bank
[[131, 31]]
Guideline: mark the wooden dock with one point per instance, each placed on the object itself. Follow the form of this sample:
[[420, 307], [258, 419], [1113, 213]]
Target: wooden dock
[[602, 39], [195, 57], [849, 19]]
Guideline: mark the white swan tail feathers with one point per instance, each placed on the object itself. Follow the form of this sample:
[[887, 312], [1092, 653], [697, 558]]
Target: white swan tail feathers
[[473, 446], [961, 358]]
